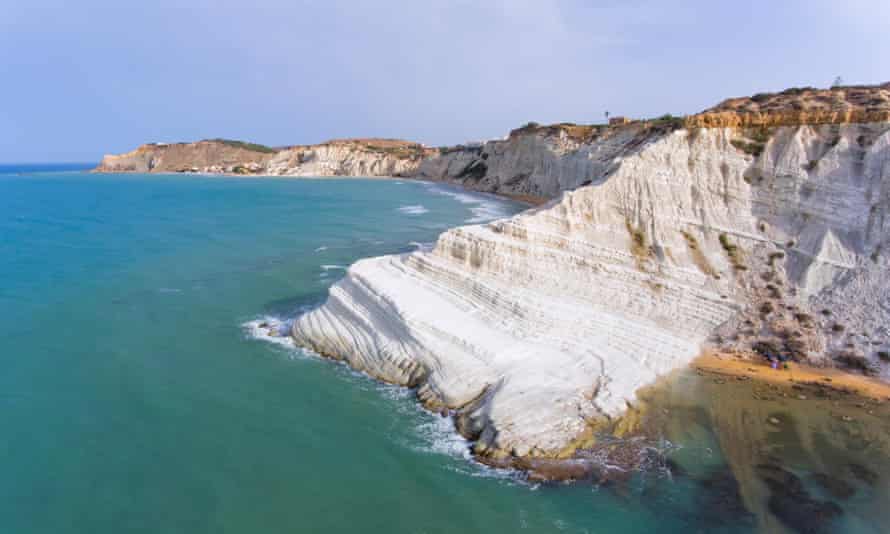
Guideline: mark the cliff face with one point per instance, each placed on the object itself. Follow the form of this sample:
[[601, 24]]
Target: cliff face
[[760, 224], [352, 157], [537, 161], [798, 106], [202, 156], [534, 161], [531, 329]]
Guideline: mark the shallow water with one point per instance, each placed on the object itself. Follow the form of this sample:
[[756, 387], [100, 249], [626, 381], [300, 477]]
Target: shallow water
[[134, 399]]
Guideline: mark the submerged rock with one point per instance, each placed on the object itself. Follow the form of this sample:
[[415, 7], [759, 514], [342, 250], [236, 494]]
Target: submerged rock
[[793, 505], [721, 500], [863, 473], [836, 487]]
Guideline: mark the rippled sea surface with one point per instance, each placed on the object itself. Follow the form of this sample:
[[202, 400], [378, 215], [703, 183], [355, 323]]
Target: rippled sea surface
[[133, 397]]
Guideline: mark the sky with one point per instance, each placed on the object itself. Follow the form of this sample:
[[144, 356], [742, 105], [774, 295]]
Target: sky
[[89, 77]]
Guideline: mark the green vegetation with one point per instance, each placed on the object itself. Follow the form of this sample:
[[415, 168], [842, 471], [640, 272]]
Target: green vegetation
[[773, 256], [253, 147], [752, 149], [754, 141], [667, 122], [794, 91], [804, 318], [762, 97], [460, 148], [733, 253]]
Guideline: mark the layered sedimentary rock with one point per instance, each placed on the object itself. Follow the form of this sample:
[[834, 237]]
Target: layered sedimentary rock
[[537, 160], [533, 328], [354, 157], [800, 105]]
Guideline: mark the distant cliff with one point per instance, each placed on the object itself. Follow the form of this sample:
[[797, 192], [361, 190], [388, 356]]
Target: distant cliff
[[532, 161], [346, 157]]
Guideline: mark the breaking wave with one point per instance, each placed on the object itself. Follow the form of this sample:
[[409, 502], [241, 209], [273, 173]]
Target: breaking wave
[[484, 207], [415, 209]]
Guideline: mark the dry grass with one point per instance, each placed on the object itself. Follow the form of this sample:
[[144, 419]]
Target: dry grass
[[698, 257]]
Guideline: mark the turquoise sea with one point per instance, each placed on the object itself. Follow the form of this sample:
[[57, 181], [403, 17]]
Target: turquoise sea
[[133, 398]]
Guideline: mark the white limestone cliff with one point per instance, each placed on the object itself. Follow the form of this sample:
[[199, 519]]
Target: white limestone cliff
[[537, 161], [532, 327], [342, 159]]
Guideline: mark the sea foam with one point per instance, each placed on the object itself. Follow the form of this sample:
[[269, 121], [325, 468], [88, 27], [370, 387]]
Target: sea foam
[[483, 207], [415, 209]]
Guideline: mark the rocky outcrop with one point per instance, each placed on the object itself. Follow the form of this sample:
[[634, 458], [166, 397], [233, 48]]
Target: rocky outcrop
[[537, 160], [202, 156], [535, 329], [348, 157], [355, 157], [799, 106]]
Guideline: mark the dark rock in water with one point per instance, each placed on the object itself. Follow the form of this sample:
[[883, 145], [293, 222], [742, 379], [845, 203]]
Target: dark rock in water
[[792, 504], [675, 469], [804, 514], [838, 488], [721, 501], [863, 473], [545, 469]]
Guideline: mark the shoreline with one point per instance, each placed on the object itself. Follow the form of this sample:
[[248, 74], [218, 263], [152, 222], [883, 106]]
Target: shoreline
[[611, 451], [528, 200]]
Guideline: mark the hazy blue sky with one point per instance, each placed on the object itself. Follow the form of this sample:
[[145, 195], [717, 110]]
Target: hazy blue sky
[[87, 77]]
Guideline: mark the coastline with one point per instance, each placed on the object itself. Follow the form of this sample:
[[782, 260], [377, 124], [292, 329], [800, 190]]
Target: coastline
[[603, 292], [528, 200]]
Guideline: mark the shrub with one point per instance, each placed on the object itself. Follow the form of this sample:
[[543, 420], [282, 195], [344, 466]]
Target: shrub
[[773, 256], [732, 252], [748, 147], [253, 147], [669, 122], [761, 97]]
